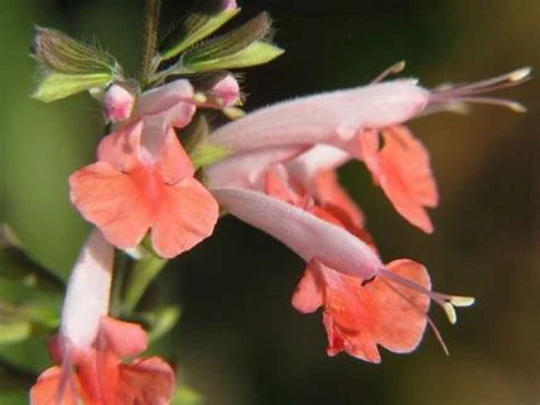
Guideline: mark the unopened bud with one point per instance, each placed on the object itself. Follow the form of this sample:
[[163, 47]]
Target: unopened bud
[[226, 91], [117, 103]]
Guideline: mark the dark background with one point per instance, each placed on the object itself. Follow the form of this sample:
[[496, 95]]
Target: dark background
[[239, 340]]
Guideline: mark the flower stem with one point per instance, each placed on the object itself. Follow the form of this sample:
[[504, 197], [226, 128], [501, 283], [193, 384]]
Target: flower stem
[[121, 268], [152, 10], [142, 274]]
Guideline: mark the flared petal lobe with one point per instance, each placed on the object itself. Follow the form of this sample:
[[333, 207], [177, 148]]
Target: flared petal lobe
[[402, 169], [113, 201], [358, 317], [101, 378], [188, 214], [46, 390], [145, 381], [137, 187]]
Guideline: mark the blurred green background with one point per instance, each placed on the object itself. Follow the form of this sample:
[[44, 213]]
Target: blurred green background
[[239, 340]]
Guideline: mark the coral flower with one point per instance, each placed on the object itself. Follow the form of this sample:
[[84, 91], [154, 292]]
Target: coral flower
[[101, 378], [366, 303], [358, 316], [143, 180], [90, 346], [351, 121], [403, 171]]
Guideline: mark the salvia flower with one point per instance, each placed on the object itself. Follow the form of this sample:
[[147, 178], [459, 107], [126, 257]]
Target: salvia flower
[[352, 120], [143, 179], [280, 177], [358, 314], [90, 346]]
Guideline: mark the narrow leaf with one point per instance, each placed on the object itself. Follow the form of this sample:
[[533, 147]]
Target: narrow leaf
[[14, 332], [63, 54], [256, 29], [205, 18], [257, 53], [56, 86], [165, 319]]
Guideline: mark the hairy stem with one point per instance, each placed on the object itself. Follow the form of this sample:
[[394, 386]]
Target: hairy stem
[[152, 10]]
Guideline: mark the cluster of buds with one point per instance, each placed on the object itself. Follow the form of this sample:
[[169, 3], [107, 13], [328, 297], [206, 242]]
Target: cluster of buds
[[158, 186]]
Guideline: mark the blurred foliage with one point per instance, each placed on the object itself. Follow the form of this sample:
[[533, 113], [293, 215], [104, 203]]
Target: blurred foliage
[[239, 341]]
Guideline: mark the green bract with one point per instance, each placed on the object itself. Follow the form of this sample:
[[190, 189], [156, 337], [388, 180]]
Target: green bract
[[69, 66], [243, 47], [204, 20]]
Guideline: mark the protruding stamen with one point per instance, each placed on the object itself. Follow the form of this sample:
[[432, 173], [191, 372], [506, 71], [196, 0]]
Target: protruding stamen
[[467, 92], [447, 302], [462, 302], [392, 70], [450, 312], [520, 74], [512, 105]]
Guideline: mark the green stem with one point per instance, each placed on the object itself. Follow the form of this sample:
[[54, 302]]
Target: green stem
[[142, 274], [152, 10], [121, 267]]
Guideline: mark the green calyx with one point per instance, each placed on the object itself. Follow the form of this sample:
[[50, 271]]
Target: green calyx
[[69, 66]]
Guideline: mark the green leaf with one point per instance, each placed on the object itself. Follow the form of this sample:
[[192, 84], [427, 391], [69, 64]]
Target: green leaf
[[205, 18], [13, 397], [228, 51], [207, 153], [29, 355], [14, 332], [56, 86], [69, 66], [17, 265], [257, 53], [164, 320], [62, 54], [186, 396], [19, 301]]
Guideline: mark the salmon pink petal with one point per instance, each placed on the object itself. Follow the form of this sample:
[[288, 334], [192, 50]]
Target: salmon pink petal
[[360, 316], [403, 171], [174, 163], [123, 338], [403, 322], [276, 184], [187, 215], [308, 296], [121, 148], [362, 349], [112, 201], [335, 199], [46, 390], [308, 236], [145, 382]]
